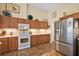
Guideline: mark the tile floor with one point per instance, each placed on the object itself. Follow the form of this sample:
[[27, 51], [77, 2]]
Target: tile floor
[[40, 50]]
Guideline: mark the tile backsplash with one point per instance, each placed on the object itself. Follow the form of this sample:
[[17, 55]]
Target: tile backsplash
[[34, 31], [9, 30], [40, 31]]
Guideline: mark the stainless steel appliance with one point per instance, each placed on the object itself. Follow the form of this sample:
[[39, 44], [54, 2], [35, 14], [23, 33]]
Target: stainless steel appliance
[[23, 36], [78, 45], [66, 32]]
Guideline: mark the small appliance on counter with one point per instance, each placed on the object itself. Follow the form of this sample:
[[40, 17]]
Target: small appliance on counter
[[3, 33], [23, 36]]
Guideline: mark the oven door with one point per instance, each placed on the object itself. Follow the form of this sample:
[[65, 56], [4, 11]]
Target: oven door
[[23, 41]]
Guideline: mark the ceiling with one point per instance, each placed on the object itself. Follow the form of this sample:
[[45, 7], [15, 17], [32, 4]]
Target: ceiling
[[47, 6]]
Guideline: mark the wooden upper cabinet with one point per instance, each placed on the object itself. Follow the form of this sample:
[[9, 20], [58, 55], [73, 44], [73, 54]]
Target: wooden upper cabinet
[[4, 21], [45, 25], [33, 24], [13, 22], [38, 24], [26, 21], [62, 18], [21, 20], [13, 43], [74, 15]]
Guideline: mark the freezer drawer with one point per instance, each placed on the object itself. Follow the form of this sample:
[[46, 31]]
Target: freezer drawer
[[78, 46], [64, 48]]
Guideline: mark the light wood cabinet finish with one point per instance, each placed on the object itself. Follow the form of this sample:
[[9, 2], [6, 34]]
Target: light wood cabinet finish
[[33, 24], [20, 20], [4, 21], [13, 43], [13, 22], [4, 47], [9, 44], [74, 15], [26, 21], [38, 24], [45, 25], [39, 39], [0, 50]]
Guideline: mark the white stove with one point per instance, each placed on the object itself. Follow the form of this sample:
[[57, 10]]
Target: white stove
[[23, 36]]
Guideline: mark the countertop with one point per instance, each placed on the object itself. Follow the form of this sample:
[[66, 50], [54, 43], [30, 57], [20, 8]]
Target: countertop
[[40, 34], [7, 36]]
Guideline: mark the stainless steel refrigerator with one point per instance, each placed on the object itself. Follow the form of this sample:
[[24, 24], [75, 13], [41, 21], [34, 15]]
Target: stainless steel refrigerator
[[66, 32]]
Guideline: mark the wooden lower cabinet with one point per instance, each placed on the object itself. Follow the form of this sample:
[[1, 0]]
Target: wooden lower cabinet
[[0, 49], [9, 44], [12, 43], [33, 40], [4, 47], [40, 39]]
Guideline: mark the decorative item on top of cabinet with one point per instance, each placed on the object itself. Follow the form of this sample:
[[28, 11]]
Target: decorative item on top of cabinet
[[13, 22], [64, 13], [30, 17], [4, 21], [7, 13]]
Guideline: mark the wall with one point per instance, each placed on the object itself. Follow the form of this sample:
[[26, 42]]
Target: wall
[[22, 13], [37, 13], [68, 8]]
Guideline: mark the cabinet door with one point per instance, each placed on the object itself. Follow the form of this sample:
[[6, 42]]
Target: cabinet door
[[4, 22], [26, 21], [21, 20], [45, 25], [34, 24], [13, 44], [38, 25], [76, 15], [46, 38], [0, 50], [4, 45], [33, 41], [13, 22]]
